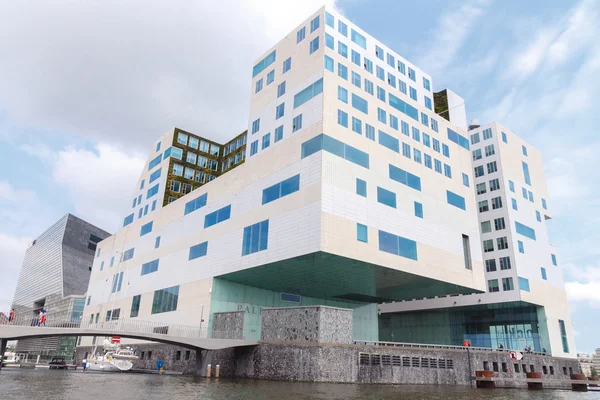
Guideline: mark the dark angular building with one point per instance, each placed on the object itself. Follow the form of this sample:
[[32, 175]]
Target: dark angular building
[[55, 276]]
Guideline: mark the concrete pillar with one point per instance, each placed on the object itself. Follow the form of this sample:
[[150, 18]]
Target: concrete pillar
[[202, 362], [3, 345]]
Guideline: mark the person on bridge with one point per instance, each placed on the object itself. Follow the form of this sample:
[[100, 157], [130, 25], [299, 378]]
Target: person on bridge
[[11, 316]]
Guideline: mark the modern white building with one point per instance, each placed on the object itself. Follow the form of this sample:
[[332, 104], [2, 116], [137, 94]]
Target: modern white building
[[525, 304], [354, 192]]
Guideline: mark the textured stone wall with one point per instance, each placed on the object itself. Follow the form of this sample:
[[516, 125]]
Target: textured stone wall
[[228, 325], [316, 324]]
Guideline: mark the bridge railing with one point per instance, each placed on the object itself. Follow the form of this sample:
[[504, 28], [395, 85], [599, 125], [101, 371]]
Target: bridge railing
[[120, 326]]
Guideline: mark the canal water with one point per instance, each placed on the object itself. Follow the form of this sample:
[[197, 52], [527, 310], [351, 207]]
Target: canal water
[[79, 385]]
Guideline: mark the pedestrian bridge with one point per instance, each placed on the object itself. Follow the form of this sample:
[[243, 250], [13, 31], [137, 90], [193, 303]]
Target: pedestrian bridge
[[192, 337]]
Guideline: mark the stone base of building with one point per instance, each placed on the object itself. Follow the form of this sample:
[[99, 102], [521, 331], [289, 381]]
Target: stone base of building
[[338, 363]]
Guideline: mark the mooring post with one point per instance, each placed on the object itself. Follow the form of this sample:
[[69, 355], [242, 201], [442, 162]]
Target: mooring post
[[217, 371], [3, 345]]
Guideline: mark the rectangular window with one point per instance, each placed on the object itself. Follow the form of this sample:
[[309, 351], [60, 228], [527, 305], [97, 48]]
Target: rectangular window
[[504, 263], [287, 64], [369, 86], [165, 300], [487, 134], [406, 150], [328, 63], [525, 230], [314, 45], [329, 19], [499, 224], [490, 265], [493, 285], [418, 209], [386, 197], [391, 79], [370, 132], [266, 141], [489, 150], [544, 276], [467, 252], [521, 247], [356, 79], [486, 227], [146, 228], [342, 49], [342, 71], [524, 150], [437, 165], [357, 125], [314, 24], [342, 118], [526, 173], [492, 167], [198, 251], [412, 75], [368, 64], [157, 242], [255, 126], [514, 204], [507, 284], [358, 39], [270, 77], [381, 116], [278, 133], [128, 220], [496, 203], [524, 284], [465, 179], [445, 150], [455, 200], [544, 205], [380, 93], [360, 104], [480, 188], [342, 94], [502, 243], [511, 186], [483, 206], [297, 123], [149, 267], [424, 119], [393, 122], [404, 177], [379, 52], [447, 171], [355, 57], [308, 93], [280, 111], [342, 28], [300, 35], [153, 191], [563, 335], [554, 262], [361, 187], [413, 93], [195, 204], [475, 138], [524, 191], [362, 233], [538, 216], [426, 84], [255, 238], [530, 196], [428, 103], [416, 134], [336, 147], [281, 86], [218, 216], [135, 306], [477, 155], [329, 42], [397, 245], [435, 144], [504, 137], [264, 63], [128, 255], [281, 189], [380, 73], [417, 155]]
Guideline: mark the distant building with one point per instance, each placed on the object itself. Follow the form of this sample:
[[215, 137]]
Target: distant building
[[55, 275], [596, 360], [585, 362]]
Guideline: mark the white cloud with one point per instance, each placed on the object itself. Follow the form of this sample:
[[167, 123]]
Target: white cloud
[[587, 293], [99, 183], [117, 72], [12, 250], [446, 41]]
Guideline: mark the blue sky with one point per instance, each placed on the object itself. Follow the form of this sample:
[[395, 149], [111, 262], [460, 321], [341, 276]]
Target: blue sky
[[85, 88]]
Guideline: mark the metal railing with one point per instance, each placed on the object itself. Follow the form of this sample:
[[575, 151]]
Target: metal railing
[[438, 346], [122, 327]]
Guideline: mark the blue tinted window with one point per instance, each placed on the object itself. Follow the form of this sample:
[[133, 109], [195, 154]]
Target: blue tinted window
[[287, 64], [524, 284], [524, 150], [152, 191], [329, 20], [300, 35], [155, 175], [358, 39], [342, 71], [406, 150], [165, 300], [418, 209], [416, 134], [390, 243], [314, 45], [342, 49], [259, 85], [525, 230], [297, 123], [447, 170], [455, 137], [154, 162], [381, 115], [465, 179], [445, 150], [434, 125], [514, 204], [198, 251], [521, 247], [158, 146], [538, 216], [543, 271], [255, 126], [334, 146], [266, 141], [308, 93], [360, 104], [504, 137], [554, 262], [455, 200], [128, 255], [427, 161], [426, 84], [544, 205], [386, 197], [195, 204], [356, 79], [280, 110], [362, 233], [149, 267], [146, 228], [157, 242], [255, 238], [342, 28], [357, 125], [511, 186], [270, 77], [393, 122], [281, 189], [380, 73], [389, 141], [342, 94], [526, 173], [215, 217], [314, 24], [424, 119], [368, 65], [329, 42], [361, 187], [370, 132], [413, 93], [417, 155], [403, 107], [368, 86], [128, 220], [278, 133], [343, 118], [329, 65], [264, 63], [355, 57], [281, 88]]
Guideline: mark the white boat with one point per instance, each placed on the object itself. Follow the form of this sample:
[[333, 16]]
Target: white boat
[[113, 359]]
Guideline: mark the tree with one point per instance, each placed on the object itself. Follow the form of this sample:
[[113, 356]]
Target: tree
[[594, 373]]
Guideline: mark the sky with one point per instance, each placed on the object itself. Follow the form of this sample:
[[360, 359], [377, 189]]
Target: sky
[[87, 87]]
